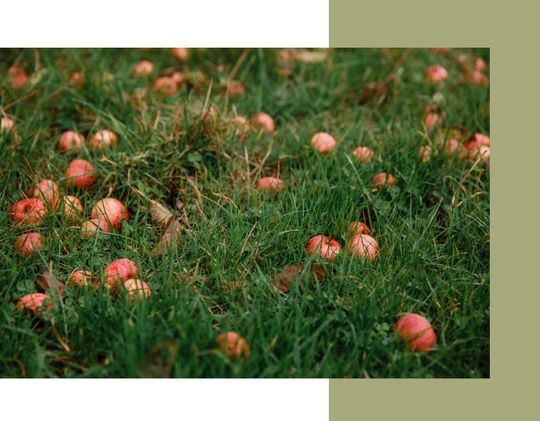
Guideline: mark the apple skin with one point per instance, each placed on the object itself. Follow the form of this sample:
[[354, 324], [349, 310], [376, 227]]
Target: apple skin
[[323, 142], [111, 210], [119, 271], [72, 208], [358, 227], [233, 345], [264, 122], [363, 245], [143, 68], [70, 140], [166, 85], [102, 139], [364, 154], [6, 124], [417, 330], [271, 185], [137, 289], [48, 192], [436, 74], [34, 303], [80, 173], [181, 54], [28, 211], [431, 119], [83, 278], [381, 180], [91, 228], [17, 76], [27, 244], [326, 247]]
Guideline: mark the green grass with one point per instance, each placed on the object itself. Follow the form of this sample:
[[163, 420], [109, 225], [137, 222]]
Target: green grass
[[433, 225]]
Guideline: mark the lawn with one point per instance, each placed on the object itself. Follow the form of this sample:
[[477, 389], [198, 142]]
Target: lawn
[[183, 151]]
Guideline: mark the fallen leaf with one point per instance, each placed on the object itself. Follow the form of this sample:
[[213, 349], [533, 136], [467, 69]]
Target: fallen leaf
[[284, 280], [160, 213], [170, 237], [48, 281]]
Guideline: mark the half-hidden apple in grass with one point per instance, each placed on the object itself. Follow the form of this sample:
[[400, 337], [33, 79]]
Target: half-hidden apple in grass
[[324, 246], [119, 271], [453, 147], [6, 124], [27, 244], [28, 211], [233, 345], [72, 208], [166, 85], [436, 74], [35, 303], [112, 211], [143, 68], [80, 173], [363, 154], [358, 227], [48, 192], [271, 185], [264, 122], [323, 142], [82, 278], [381, 180], [363, 245], [417, 331], [181, 54], [137, 289], [102, 139], [17, 77], [431, 119], [70, 140], [94, 226]]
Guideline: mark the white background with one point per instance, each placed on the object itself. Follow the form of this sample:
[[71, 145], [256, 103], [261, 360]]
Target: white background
[[164, 23], [160, 23]]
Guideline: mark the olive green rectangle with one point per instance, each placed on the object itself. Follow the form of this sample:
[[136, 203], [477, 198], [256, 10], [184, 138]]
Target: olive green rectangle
[[509, 29]]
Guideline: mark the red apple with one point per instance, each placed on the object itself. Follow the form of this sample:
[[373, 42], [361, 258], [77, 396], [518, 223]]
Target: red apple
[[181, 54], [120, 271], [356, 228], [363, 245], [28, 211], [381, 180], [35, 303], [17, 76], [271, 185], [417, 331], [92, 227], [436, 74], [72, 208], [233, 345], [83, 278], [6, 124], [80, 173], [264, 122], [323, 142], [102, 139], [137, 289], [112, 211], [27, 244], [48, 192], [143, 68], [431, 119], [453, 147], [70, 140], [326, 247], [166, 85], [363, 154]]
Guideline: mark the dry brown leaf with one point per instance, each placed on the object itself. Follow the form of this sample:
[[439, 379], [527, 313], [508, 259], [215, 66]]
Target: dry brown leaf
[[160, 213], [47, 281], [284, 280], [170, 237]]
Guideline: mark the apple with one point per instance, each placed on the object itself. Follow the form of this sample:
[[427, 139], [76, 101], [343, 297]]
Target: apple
[[27, 244], [137, 289], [70, 140], [143, 68], [271, 185], [48, 192], [17, 76], [324, 246], [358, 227], [416, 330], [92, 227], [6, 124], [119, 271], [111, 210], [72, 208], [264, 122], [363, 154], [431, 119], [323, 142], [35, 303], [102, 139], [83, 278], [28, 211], [233, 345], [436, 74], [363, 245], [381, 180], [166, 85], [453, 147], [80, 173], [181, 54]]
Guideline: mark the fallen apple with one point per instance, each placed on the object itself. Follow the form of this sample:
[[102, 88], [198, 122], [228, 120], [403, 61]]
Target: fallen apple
[[324, 246], [27, 244], [417, 331]]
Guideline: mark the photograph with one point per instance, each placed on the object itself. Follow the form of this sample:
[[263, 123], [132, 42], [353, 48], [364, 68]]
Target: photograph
[[245, 213]]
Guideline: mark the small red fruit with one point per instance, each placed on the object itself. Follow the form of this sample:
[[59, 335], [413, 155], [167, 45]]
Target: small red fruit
[[431, 119], [28, 211], [17, 76], [48, 192], [70, 140], [137, 289], [323, 142], [381, 180], [436, 74], [477, 140], [83, 278], [102, 139], [453, 147], [80, 173], [363, 245], [417, 331], [356, 228], [363, 154], [166, 85], [181, 54], [112, 211], [27, 244], [120, 271], [233, 345], [6, 124], [72, 208], [271, 185], [264, 121], [143, 68], [326, 247], [35, 303], [92, 227]]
